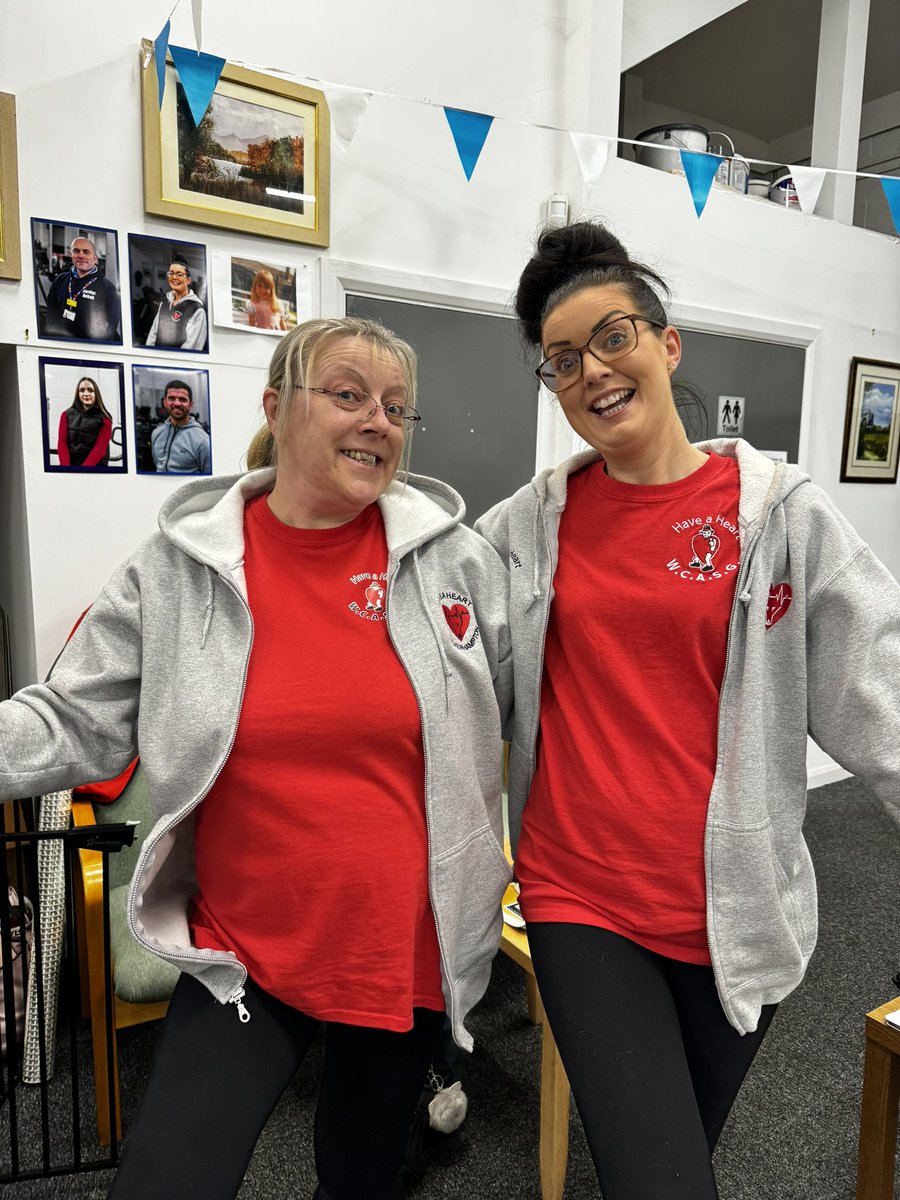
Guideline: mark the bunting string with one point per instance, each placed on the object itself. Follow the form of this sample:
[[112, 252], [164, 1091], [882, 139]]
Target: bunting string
[[199, 73]]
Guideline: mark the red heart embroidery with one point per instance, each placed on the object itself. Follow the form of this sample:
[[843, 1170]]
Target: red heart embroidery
[[780, 596], [457, 618]]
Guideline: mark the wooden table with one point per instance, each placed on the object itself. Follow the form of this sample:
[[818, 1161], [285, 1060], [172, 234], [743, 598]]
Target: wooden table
[[880, 1102], [554, 1138]]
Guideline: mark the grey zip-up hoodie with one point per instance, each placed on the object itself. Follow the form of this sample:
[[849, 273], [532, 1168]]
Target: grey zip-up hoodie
[[813, 645], [158, 667]]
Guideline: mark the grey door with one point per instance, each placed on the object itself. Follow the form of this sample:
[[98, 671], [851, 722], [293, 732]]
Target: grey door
[[477, 396]]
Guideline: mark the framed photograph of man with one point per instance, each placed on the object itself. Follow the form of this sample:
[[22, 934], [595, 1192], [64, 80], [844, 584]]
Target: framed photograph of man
[[872, 425], [172, 431], [262, 297], [257, 162], [83, 416], [76, 282], [168, 294]]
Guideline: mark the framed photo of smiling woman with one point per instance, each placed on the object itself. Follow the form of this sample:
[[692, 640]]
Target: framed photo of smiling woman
[[83, 416], [169, 294]]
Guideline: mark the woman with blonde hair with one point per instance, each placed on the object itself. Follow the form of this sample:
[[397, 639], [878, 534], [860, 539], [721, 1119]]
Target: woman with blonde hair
[[311, 659]]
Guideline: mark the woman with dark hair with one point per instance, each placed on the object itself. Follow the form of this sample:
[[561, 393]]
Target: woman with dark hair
[[326, 851], [682, 616], [180, 321], [85, 428]]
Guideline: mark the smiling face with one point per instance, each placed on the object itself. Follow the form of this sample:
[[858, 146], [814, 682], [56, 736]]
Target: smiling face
[[83, 257], [179, 280], [332, 464], [623, 409], [177, 404], [87, 394]]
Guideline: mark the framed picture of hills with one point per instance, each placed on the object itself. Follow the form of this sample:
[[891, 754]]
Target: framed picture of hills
[[257, 162], [872, 424]]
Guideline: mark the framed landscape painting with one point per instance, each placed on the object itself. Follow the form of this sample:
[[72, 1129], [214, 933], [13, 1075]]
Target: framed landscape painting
[[257, 162], [872, 426], [10, 250]]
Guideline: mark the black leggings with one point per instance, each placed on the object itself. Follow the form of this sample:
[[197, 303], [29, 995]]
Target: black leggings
[[653, 1063], [215, 1081]]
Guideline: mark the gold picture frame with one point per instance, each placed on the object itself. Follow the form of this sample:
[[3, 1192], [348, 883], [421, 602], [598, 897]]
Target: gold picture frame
[[10, 243], [872, 424], [190, 175]]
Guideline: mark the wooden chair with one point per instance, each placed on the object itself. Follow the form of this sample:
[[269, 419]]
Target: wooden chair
[[141, 983], [880, 1102], [554, 1135]]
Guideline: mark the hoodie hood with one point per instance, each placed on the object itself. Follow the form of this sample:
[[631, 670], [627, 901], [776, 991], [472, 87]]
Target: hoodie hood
[[764, 483], [205, 518]]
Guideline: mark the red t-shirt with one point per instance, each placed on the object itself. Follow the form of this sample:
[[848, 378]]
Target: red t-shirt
[[311, 848], [614, 826]]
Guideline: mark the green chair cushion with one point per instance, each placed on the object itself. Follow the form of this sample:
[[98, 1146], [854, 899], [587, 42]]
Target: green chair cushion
[[139, 976]]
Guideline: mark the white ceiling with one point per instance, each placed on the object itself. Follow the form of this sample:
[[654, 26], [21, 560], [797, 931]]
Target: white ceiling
[[754, 68]]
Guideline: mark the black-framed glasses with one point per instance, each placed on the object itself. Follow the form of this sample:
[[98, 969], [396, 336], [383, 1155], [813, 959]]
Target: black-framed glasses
[[355, 401], [613, 340]]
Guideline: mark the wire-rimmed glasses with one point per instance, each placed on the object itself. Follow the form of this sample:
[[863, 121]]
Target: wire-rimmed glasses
[[353, 400], [613, 340]]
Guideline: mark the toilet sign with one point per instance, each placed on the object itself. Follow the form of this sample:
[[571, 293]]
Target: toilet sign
[[731, 416]]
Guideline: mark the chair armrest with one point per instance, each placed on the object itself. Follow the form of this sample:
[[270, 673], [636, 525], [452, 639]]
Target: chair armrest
[[91, 860]]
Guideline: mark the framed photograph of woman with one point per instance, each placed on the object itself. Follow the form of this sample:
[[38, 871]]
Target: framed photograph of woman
[[168, 294], [83, 416], [257, 162], [172, 430], [259, 296], [76, 282], [872, 425]]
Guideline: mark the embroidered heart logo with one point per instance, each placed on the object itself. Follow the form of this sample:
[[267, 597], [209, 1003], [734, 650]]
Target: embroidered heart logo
[[457, 618], [780, 596]]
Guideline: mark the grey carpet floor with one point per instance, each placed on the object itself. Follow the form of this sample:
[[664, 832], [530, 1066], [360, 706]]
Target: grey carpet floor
[[793, 1131]]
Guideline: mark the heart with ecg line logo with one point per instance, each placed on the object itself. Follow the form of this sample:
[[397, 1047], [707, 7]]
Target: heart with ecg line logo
[[457, 617], [780, 596]]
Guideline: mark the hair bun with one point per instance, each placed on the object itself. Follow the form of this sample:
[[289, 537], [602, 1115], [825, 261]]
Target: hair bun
[[562, 254]]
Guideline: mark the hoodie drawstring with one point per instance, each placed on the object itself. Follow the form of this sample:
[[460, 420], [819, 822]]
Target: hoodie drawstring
[[535, 558], [210, 604]]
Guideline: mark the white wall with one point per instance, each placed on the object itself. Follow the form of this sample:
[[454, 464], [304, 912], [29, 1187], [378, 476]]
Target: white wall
[[651, 25], [399, 200]]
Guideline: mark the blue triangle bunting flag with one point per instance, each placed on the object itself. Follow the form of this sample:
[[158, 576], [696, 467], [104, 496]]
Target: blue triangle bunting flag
[[159, 56], [469, 129], [199, 73], [892, 192], [700, 170]]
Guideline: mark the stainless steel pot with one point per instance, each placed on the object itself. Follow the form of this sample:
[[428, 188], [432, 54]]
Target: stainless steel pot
[[667, 141]]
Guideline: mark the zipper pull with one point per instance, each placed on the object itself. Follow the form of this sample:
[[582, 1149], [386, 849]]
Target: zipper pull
[[238, 1001]]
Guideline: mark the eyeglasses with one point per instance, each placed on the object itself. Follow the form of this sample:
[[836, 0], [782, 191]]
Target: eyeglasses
[[613, 340], [177, 274], [351, 400]]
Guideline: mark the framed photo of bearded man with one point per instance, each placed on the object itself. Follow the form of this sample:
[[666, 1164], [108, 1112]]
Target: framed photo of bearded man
[[258, 161]]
